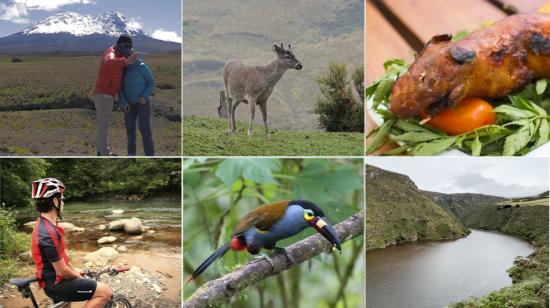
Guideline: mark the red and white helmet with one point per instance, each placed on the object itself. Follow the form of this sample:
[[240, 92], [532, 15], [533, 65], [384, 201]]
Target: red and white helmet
[[46, 188]]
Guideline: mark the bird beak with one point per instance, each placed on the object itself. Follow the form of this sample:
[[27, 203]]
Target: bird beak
[[326, 230]]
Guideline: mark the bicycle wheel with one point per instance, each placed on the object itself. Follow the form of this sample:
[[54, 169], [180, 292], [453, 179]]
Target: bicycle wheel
[[120, 301]]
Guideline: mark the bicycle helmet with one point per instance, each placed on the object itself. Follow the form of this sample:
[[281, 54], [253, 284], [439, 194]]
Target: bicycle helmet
[[46, 188]]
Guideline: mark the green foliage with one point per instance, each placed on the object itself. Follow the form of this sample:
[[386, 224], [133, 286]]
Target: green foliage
[[522, 123], [12, 243], [93, 177], [338, 109], [397, 212], [218, 192], [16, 176], [89, 177], [204, 136]]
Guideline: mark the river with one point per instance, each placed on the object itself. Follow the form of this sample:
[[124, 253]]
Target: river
[[161, 216], [437, 273]]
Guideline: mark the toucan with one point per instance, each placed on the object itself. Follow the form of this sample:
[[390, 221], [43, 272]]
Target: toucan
[[269, 223]]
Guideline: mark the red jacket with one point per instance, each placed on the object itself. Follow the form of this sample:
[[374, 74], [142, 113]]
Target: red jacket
[[110, 73]]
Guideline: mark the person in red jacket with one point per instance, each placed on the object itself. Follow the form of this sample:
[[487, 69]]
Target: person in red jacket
[[58, 278], [107, 86]]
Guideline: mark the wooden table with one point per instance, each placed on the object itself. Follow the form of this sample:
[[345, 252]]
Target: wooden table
[[399, 28]]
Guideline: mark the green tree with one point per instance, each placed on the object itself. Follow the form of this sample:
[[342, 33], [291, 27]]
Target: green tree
[[338, 109], [16, 176], [218, 192]]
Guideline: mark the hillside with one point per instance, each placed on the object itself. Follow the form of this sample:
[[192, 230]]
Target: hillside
[[199, 139], [398, 212], [217, 31], [460, 204], [526, 218]]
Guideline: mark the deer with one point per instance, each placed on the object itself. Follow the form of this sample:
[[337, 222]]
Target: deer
[[253, 85]]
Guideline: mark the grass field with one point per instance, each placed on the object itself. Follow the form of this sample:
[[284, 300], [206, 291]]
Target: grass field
[[207, 136], [46, 106]]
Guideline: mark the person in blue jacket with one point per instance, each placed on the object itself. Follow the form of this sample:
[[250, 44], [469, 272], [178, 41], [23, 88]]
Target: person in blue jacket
[[135, 94]]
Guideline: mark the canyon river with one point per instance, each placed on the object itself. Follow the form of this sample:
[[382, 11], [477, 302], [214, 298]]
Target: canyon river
[[438, 273]]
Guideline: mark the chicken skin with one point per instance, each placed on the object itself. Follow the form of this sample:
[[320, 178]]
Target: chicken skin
[[488, 63]]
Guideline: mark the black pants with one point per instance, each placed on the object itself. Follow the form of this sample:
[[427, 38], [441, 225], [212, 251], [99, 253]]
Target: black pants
[[76, 290]]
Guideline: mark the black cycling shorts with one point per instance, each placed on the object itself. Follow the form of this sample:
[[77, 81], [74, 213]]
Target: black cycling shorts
[[76, 290]]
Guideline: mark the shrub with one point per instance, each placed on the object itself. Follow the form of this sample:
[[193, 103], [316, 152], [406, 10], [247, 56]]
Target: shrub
[[12, 243], [338, 109]]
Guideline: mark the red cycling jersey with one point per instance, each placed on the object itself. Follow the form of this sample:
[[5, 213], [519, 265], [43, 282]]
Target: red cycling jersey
[[110, 73], [48, 246]]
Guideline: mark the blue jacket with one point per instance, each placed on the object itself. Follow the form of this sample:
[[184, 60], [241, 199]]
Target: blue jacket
[[138, 81]]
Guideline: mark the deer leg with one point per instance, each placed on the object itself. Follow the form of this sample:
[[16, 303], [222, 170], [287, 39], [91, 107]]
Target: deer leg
[[263, 108], [234, 127], [230, 127], [251, 111]]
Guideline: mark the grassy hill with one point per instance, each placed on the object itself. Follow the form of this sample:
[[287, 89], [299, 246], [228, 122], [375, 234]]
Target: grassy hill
[[207, 136], [526, 218], [217, 31], [46, 106], [397, 212], [463, 203]]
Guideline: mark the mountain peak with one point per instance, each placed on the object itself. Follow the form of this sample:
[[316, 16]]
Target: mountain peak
[[109, 23]]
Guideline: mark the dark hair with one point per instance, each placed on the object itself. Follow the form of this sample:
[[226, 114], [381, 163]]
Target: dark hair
[[45, 204]]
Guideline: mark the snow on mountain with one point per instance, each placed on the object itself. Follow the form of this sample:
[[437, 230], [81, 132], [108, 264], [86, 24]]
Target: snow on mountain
[[110, 23]]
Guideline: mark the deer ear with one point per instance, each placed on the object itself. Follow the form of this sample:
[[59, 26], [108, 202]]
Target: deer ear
[[277, 49]]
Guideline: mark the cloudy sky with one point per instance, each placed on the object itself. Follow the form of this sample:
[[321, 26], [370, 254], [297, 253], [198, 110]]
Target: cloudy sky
[[161, 19], [507, 177]]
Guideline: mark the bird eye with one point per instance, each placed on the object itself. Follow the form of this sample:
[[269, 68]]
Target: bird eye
[[308, 214]]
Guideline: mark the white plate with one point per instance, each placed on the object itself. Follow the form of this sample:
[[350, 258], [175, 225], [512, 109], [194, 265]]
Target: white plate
[[542, 151]]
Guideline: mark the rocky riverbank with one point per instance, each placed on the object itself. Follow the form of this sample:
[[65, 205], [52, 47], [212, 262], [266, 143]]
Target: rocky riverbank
[[152, 281]]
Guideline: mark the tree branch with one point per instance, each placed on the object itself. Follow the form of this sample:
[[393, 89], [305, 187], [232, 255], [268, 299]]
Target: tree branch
[[215, 292]]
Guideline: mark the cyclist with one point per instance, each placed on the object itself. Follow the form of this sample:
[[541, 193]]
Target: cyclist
[[57, 277]]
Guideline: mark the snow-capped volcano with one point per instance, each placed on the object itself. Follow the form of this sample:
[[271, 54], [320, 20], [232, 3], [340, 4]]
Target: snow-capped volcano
[[74, 33], [110, 23]]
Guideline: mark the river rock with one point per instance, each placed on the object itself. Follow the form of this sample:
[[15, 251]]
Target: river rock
[[117, 212], [67, 226], [78, 229], [29, 225], [106, 240], [25, 257], [133, 226], [122, 248], [102, 256], [117, 224], [102, 227], [157, 288]]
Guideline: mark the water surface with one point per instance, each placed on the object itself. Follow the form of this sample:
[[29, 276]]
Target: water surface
[[437, 273], [161, 216]]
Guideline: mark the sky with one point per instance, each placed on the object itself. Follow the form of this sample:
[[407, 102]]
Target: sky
[[506, 177], [161, 18]]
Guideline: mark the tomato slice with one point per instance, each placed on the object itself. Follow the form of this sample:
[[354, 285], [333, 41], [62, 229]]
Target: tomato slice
[[467, 115]]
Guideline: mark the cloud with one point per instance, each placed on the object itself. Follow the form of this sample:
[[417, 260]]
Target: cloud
[[16, 11], [164, 35], [13, 12], [133, 24], [474, 181], [50, 5]]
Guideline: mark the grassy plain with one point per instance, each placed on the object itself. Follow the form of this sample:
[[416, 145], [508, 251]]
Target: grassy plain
[[46, 106]]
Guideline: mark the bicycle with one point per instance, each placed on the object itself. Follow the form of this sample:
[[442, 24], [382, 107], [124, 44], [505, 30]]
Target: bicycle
[[116, 301]]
